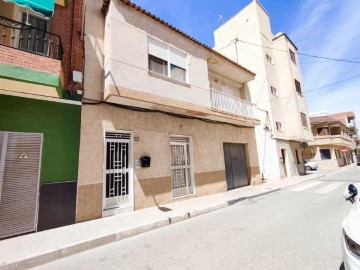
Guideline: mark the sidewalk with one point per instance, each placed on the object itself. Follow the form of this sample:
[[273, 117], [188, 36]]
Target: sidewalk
[[38, 248]]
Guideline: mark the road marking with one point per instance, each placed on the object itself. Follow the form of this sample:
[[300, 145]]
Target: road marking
[[307, 186], [329, 188]]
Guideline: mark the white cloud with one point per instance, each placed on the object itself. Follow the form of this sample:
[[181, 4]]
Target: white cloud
[[330, 29]]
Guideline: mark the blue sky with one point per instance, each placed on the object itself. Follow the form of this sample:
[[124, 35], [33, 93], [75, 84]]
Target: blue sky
[[329, 28]]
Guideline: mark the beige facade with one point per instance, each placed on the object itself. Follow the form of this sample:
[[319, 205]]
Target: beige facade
[[334, 145], [188, 112], [277, 89]]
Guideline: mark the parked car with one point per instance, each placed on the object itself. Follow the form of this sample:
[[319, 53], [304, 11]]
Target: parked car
[[351, 231], [310, 165]]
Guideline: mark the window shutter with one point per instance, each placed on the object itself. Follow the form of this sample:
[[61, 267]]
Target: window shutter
[[157, 49], [177, 58]]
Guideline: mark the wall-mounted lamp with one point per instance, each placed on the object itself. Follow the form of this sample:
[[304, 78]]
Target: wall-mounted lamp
[[266, 128]]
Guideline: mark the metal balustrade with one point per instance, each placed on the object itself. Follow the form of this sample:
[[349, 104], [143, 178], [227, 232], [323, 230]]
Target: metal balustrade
[[30, 39], [228, 103]]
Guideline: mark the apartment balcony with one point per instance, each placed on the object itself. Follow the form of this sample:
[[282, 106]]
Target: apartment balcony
[[30, 60], [30, 39], [332, 140], [229, 104]]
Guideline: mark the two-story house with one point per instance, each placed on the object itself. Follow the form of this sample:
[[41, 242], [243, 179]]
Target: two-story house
[[335, 140], [348, 118], [164, 117], [40, 60], [277, 89]]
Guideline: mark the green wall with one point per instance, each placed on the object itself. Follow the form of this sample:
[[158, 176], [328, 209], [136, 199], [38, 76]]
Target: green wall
[[60, 124]]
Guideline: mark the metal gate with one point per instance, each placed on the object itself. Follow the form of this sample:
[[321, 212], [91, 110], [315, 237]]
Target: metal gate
[[20, 157], [118, 171], [181, 171]]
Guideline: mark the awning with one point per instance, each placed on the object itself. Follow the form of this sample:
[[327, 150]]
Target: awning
[[45, 7]]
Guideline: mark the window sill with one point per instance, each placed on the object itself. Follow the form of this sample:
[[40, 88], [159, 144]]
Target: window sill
[[160, 76]]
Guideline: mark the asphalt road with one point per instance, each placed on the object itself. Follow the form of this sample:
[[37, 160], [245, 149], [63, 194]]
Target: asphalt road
[[296, 228]]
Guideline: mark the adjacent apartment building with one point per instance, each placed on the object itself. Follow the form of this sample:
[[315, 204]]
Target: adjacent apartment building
[[164, 117], [40, 47], [336, 141], [277, 90]]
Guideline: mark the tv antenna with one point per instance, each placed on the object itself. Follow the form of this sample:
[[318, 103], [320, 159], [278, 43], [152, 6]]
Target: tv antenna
[[220, 18]]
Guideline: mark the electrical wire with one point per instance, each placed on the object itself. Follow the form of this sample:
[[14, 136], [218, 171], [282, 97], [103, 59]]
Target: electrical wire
[[138, 109], [334, 83], [304, 54]]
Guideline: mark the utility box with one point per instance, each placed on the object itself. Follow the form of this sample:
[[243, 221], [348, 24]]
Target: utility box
[[145, 161]]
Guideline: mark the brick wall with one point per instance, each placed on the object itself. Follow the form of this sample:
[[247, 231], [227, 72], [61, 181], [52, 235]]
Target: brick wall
[[11, 56], [67, 23]]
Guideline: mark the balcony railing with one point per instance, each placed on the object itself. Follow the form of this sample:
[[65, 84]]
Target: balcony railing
[[231, 104], [30, 39]]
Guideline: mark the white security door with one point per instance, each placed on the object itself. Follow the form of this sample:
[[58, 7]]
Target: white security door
[[19, 182], [118, 171], [181, 171]]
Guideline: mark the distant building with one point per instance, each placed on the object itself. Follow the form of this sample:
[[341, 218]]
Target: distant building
[[277, 89], [336, 141]]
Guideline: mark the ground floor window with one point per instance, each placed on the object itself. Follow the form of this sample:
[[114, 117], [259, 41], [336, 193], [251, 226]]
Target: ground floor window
[[325, 154]]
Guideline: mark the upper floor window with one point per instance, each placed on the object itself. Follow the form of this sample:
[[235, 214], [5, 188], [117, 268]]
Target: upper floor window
[[269, 59], [303, 120], [279, 126], [167, 61], [292, 56], [298, 87], [273, 90], [33, 39]]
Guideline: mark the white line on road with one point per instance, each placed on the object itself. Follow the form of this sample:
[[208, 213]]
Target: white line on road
[[329, 188], [307, 186]]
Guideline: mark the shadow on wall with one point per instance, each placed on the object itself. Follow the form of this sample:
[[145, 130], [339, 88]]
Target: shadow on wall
[[153, 192]]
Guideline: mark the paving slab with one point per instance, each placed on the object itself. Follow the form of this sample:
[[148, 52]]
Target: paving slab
[[34, 249]]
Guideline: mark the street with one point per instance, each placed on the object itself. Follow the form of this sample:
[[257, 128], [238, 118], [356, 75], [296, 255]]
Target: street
[[295, 228]]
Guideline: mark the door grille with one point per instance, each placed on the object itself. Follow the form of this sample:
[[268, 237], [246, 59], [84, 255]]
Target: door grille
[[181, 171], [117, 170]]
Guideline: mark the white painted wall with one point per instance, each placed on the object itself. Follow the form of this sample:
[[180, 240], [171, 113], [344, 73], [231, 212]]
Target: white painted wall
[[130, 31], [252, 25]]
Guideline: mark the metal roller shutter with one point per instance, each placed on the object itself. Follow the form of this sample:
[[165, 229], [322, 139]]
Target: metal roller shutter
[[19, 183]]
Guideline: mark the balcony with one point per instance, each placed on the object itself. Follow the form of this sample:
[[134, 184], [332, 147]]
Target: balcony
[[30, 39], [332, 140], [227, 103]]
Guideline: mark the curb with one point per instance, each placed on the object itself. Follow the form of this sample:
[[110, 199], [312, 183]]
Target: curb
[[64, 251]]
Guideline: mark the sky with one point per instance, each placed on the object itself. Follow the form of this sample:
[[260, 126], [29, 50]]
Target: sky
[[326, 28]]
